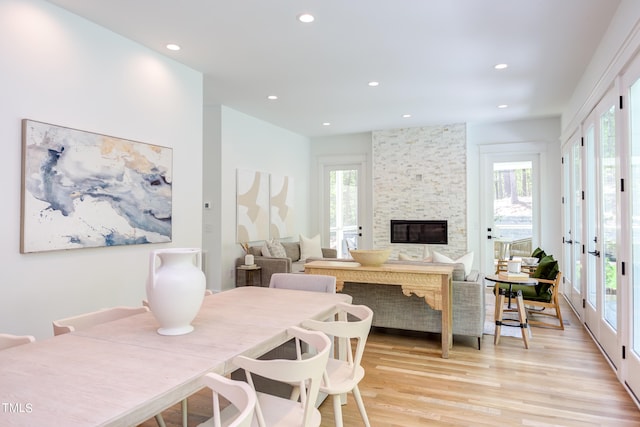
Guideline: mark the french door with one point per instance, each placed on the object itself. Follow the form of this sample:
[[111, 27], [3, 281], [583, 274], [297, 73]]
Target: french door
[[630, 292], [341, 216], [602, 200], [510, 211], [572, 235]]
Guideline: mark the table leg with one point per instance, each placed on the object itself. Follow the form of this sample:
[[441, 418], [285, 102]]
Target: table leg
[[447, 316], [522, 315], [499, 313]]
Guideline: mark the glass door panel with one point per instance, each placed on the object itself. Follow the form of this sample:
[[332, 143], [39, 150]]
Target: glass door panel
[[577, 243], [592, 224], [512, 208], [511, 216], [602, 175], [608, 172], [343, 210], [632, 371], [572, 197]]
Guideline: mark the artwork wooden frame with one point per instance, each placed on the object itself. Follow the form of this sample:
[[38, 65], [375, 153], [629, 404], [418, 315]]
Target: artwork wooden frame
[[82, 189]]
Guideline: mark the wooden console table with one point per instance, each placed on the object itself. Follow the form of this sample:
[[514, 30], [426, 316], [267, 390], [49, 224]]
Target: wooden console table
[[433, 283]]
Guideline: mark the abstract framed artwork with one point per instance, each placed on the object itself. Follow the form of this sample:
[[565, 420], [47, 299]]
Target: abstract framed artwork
[[281, 206], [82, 189], [252, 211]]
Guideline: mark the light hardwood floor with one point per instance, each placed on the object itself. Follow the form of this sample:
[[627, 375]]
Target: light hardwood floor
[[561, 380]]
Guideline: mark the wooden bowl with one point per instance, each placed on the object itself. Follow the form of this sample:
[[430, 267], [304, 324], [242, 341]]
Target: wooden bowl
[[370, 258]]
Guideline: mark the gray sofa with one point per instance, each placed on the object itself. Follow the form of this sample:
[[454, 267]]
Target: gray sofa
[[291, 264], [392, 309]]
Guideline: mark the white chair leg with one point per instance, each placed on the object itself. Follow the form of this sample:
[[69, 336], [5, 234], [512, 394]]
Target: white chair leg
[[185, 414], [363, 412], [337, 410], [160, 420]]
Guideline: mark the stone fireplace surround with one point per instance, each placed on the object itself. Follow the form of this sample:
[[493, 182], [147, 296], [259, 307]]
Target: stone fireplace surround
[[420, 173]]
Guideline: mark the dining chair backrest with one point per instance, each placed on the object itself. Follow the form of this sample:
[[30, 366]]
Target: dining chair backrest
[[9, 340], [356, 329], [86, 320], [303, 282], [241, 396], [307, 372], [352, 329]]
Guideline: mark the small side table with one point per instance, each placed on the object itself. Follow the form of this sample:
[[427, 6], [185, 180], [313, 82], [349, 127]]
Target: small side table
[[520, 309], [250, 273]]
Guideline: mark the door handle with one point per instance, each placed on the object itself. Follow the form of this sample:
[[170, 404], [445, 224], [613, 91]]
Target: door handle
[[568, 241], [595, 253]]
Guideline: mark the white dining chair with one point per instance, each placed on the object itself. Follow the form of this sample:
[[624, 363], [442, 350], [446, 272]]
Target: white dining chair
[[303, 282], [87, 320], [274, 411], [9, 340], [343, 376], [242, 401], [300, 282]]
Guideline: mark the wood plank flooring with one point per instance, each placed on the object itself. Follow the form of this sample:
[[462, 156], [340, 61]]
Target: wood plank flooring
[[561, 380]]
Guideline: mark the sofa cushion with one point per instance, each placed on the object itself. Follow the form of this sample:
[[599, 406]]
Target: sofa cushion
[[466, 260], [310, 247], [255, 250], [547, 269], [538, 253], [264, 251], [474, 276], [276, 249], [292, 249]]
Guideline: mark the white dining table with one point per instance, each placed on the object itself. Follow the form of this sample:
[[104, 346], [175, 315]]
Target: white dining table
[[123, 372]]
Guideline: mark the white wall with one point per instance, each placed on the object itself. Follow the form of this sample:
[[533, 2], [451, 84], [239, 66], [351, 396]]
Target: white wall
[[250, 144], [60, 69], [619, 44]]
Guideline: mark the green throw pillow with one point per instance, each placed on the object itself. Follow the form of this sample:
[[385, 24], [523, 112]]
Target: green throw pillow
[[547, 269], [538, 253]]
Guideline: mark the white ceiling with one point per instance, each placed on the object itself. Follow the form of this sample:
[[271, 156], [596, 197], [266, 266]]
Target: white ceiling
[[433, 58]]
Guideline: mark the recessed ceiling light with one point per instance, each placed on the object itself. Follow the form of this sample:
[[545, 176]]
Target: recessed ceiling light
[[503, 106], [272, 97], [501, 66], [406, 116], [374, 83], [306, 18], [326, 124], [173, 46]]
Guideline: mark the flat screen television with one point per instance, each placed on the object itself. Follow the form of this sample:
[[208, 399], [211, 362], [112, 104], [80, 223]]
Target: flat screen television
[[419, 231]]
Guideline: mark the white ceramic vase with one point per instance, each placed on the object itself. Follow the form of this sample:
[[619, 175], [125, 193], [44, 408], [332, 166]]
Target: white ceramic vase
[[175, 288]]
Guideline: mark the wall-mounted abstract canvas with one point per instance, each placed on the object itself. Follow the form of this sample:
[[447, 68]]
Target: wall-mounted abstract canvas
[[252, 198], [281, 205], [82, 189]]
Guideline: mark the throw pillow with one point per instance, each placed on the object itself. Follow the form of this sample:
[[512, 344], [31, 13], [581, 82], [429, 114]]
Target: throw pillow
[[276, 249], [405, 257], [310, 247], [466, 260], [427, 256], [538, 253], [265, 250], [547, 269]]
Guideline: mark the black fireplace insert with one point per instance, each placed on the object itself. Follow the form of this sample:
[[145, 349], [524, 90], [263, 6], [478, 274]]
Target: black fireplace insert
[[419, 231]]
